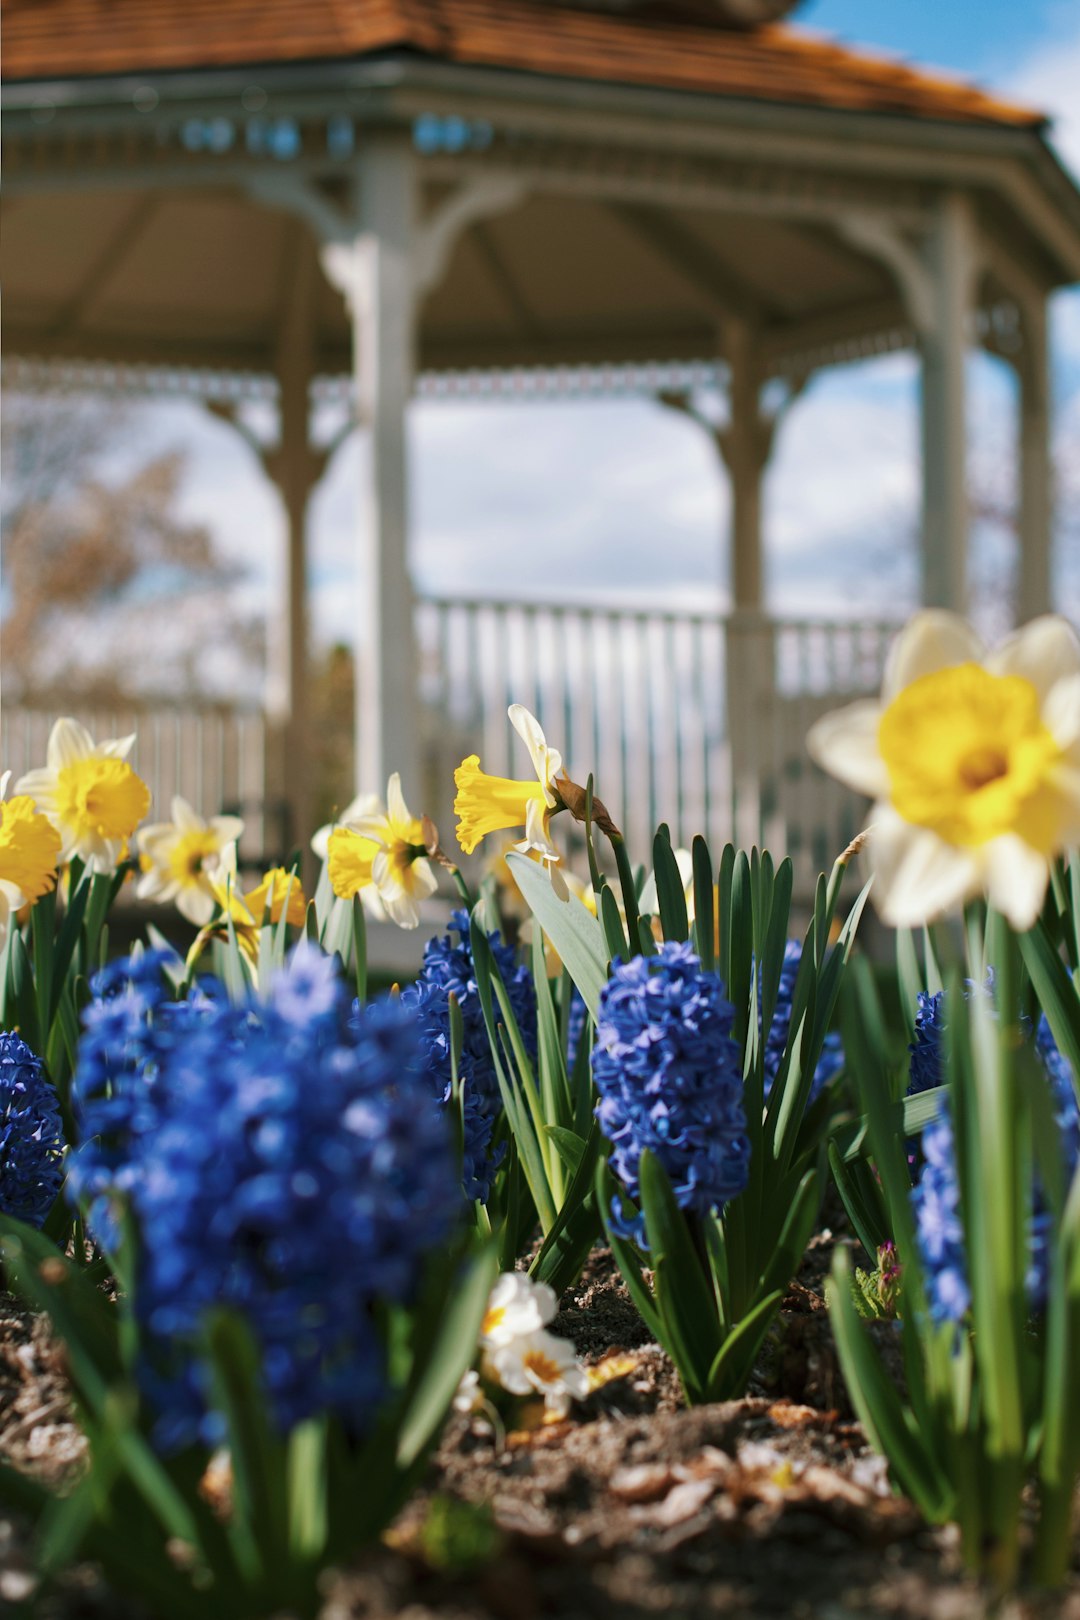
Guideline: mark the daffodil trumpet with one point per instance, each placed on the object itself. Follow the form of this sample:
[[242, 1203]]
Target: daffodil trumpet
[[973, 761]]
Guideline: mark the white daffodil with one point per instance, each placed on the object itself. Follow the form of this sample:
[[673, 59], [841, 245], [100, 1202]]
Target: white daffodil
[[90, 794], [386, 851], [487, 804], [516, 1306], [540, 1363], [973, 759], [182, 859]]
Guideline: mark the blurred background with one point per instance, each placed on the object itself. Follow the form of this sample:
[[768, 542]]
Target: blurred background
[[174, 560]]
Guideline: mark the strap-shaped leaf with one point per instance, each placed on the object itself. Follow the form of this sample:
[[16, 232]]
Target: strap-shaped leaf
[[576, 1225], [1058, 994], [451, 1353], [670, 895], [875, 1399], [625, 1255], [683, 1289], [734, 1362], [574, 932], [704, 905]]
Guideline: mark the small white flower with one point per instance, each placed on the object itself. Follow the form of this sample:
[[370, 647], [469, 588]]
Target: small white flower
[[540, 1363], [516, 1305]]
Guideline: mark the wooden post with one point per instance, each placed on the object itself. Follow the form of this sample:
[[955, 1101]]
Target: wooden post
[[745, 444], [295, 468], [951, 261], [1033, 585]]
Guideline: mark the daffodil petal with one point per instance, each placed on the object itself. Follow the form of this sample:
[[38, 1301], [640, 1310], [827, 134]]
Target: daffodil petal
[[196, 904], [931, 641], [1016, 879], [917, 875], [1045, 652], [396, 808], [547, 762], [845, 743], [68, 743], [1061, 712]]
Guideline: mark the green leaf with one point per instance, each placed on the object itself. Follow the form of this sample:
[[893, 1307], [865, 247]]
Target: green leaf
[[306, 1486], [670, 895], [625, 1256], [614, 937], [574, 931], [875, 1399], [1057, 994], [260, 1524], [734, 1361], [576, 1225], [453, 1351], [704, 905], [684, 1292], [571, 1146]]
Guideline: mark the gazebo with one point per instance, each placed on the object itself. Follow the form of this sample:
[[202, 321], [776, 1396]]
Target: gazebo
[[213, 193]]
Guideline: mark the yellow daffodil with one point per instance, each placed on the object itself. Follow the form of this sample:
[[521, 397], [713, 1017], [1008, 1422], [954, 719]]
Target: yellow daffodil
[[90, 794], [29, 851], [365, 804], [385, 852], [974, 761], [29, 848], [487, 804], [182, 858], [273, 890]]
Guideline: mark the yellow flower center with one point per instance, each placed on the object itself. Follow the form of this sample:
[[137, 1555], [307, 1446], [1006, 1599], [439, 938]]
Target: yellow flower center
[[492, 1319], [349, 860], [487, 804], [101, 797], [29, 848], [969, 757], [542, 1368], [190, 854]]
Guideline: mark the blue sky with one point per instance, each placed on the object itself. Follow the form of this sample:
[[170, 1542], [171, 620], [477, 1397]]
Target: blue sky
[[627, 498]]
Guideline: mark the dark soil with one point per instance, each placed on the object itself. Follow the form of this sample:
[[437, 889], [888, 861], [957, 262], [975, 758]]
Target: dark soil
[[638, 1507]]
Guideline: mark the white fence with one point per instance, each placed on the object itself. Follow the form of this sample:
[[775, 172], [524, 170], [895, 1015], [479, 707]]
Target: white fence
[[215, 758], [691, 718]]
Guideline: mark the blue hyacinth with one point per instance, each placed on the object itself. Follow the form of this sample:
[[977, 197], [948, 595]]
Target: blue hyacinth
[[927, 1068], [936, 1194], [669, 1076], [281, 1159], [31, 1134], [831, 1060], [448, 968]]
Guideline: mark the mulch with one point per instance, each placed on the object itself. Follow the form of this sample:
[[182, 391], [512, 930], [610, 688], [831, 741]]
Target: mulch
[[637, 1507]]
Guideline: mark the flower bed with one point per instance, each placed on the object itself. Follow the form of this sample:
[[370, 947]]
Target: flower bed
[[639, 1256]]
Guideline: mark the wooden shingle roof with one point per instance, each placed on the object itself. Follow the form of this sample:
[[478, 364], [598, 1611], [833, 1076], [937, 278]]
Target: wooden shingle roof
[[678, 45]]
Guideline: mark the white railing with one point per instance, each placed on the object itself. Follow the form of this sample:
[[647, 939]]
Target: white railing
[[695, 719], [215, 758]]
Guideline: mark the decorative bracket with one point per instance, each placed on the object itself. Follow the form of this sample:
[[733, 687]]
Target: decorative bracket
[[483, 195], [878, 236]]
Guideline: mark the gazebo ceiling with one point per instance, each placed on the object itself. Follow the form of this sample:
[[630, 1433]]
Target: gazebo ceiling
[[201, 277]]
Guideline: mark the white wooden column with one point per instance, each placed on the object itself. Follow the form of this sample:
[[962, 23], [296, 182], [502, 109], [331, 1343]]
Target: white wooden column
[[1033, 594], [375, 272], [951, 262]]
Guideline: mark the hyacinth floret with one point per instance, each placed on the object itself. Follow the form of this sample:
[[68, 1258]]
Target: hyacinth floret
[[31, 1134], [936, 1195], [927, 1068], [448, 969], [831, 1060], [669, 1076], [284, 1161]]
